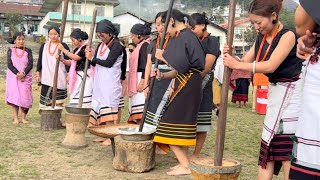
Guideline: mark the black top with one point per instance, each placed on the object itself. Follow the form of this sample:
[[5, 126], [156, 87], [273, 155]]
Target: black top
[[152, 50], [13, 69], [290, 69], [211, 46], [82, 62], [39, 64], [115, 51], [143, 56], [123, 64], [185, 52]]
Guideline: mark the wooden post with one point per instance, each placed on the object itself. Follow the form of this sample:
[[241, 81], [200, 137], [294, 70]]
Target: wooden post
[[152, 79], [83, 83], [222, 120], [62, 28]]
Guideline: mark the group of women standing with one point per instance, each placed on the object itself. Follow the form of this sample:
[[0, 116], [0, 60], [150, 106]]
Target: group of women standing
[[181, 106], [290, 129]]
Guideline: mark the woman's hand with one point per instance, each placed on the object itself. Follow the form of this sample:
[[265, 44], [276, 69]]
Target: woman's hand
[[89, 53], [230, 61], [140, 86], [61, 47], [146, 91], [156, 73], [159, 55], [20, 75], [38, 77], [305, 44], [226, 49]]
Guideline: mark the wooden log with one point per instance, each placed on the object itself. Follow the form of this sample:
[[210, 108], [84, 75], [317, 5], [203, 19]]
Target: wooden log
[[76, 126], [134, 156], [204, 169], [222, 119], [50, 119]]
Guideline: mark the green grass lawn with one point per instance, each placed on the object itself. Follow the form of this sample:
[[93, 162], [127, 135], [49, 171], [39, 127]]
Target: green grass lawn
[[26, 152]]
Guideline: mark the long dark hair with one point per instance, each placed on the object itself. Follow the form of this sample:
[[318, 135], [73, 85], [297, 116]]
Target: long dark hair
[[13, 39], [175, 14], [199, 19], [265, 8], [56, 28]]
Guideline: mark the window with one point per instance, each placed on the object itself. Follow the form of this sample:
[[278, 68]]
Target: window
[[100, 10], [76, 9], [35, 28]]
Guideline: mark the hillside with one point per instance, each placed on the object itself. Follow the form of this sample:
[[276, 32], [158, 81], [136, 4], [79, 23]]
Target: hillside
[[147, 9]]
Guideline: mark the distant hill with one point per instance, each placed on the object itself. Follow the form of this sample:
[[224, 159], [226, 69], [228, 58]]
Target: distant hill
[[147, 9]]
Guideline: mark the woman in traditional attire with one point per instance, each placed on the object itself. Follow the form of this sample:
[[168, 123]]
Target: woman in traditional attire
[[178, 125], [46, 67], [212, 49], [137, 64], [161, 88], [76, 71], [274, 54], [239, 83], [306, 156], [19, 78], [106, 85]]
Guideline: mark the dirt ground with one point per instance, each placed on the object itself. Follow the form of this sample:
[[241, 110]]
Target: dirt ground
[[26, 152]]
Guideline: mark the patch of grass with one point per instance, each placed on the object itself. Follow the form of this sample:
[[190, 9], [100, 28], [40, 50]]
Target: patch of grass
[[27, 152], [28, 172], [3, 171]]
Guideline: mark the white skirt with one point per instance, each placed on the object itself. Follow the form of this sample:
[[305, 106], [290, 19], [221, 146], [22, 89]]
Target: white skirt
[[87, 96], [308, 131]]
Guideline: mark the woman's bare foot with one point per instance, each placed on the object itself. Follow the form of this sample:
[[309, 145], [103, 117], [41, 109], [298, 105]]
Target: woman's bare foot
[[15, 121], [106, 143], [160, 151], [175, 167], [24, 121], [179, 171], [193, 157]]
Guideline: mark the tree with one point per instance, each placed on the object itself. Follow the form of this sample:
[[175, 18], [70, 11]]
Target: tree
[[250, 35], [287, 19], [13, 20]]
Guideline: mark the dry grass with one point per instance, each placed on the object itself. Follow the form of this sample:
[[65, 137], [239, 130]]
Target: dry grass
[[26, 152]]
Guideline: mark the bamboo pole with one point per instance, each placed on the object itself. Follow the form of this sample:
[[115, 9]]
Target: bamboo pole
[[56, 70], [222, 120], [83, 83], [152, 79]]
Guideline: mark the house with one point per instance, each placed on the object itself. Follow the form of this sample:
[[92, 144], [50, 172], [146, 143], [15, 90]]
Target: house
[[224, 11], [31, 17], [79, 14], [126, 21], [240, 27], [219, 32]]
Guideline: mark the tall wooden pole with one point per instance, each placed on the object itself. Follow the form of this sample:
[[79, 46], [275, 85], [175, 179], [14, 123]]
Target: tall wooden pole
[[222, 120], [152, 79], [83, 83], [56, 70]]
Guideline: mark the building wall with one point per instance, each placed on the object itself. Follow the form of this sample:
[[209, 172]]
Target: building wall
[[85, 10], [218, 33], [126, 22]]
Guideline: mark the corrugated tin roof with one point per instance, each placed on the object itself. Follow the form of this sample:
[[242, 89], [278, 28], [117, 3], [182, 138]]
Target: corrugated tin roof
[[29, 10], [51, 5]]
